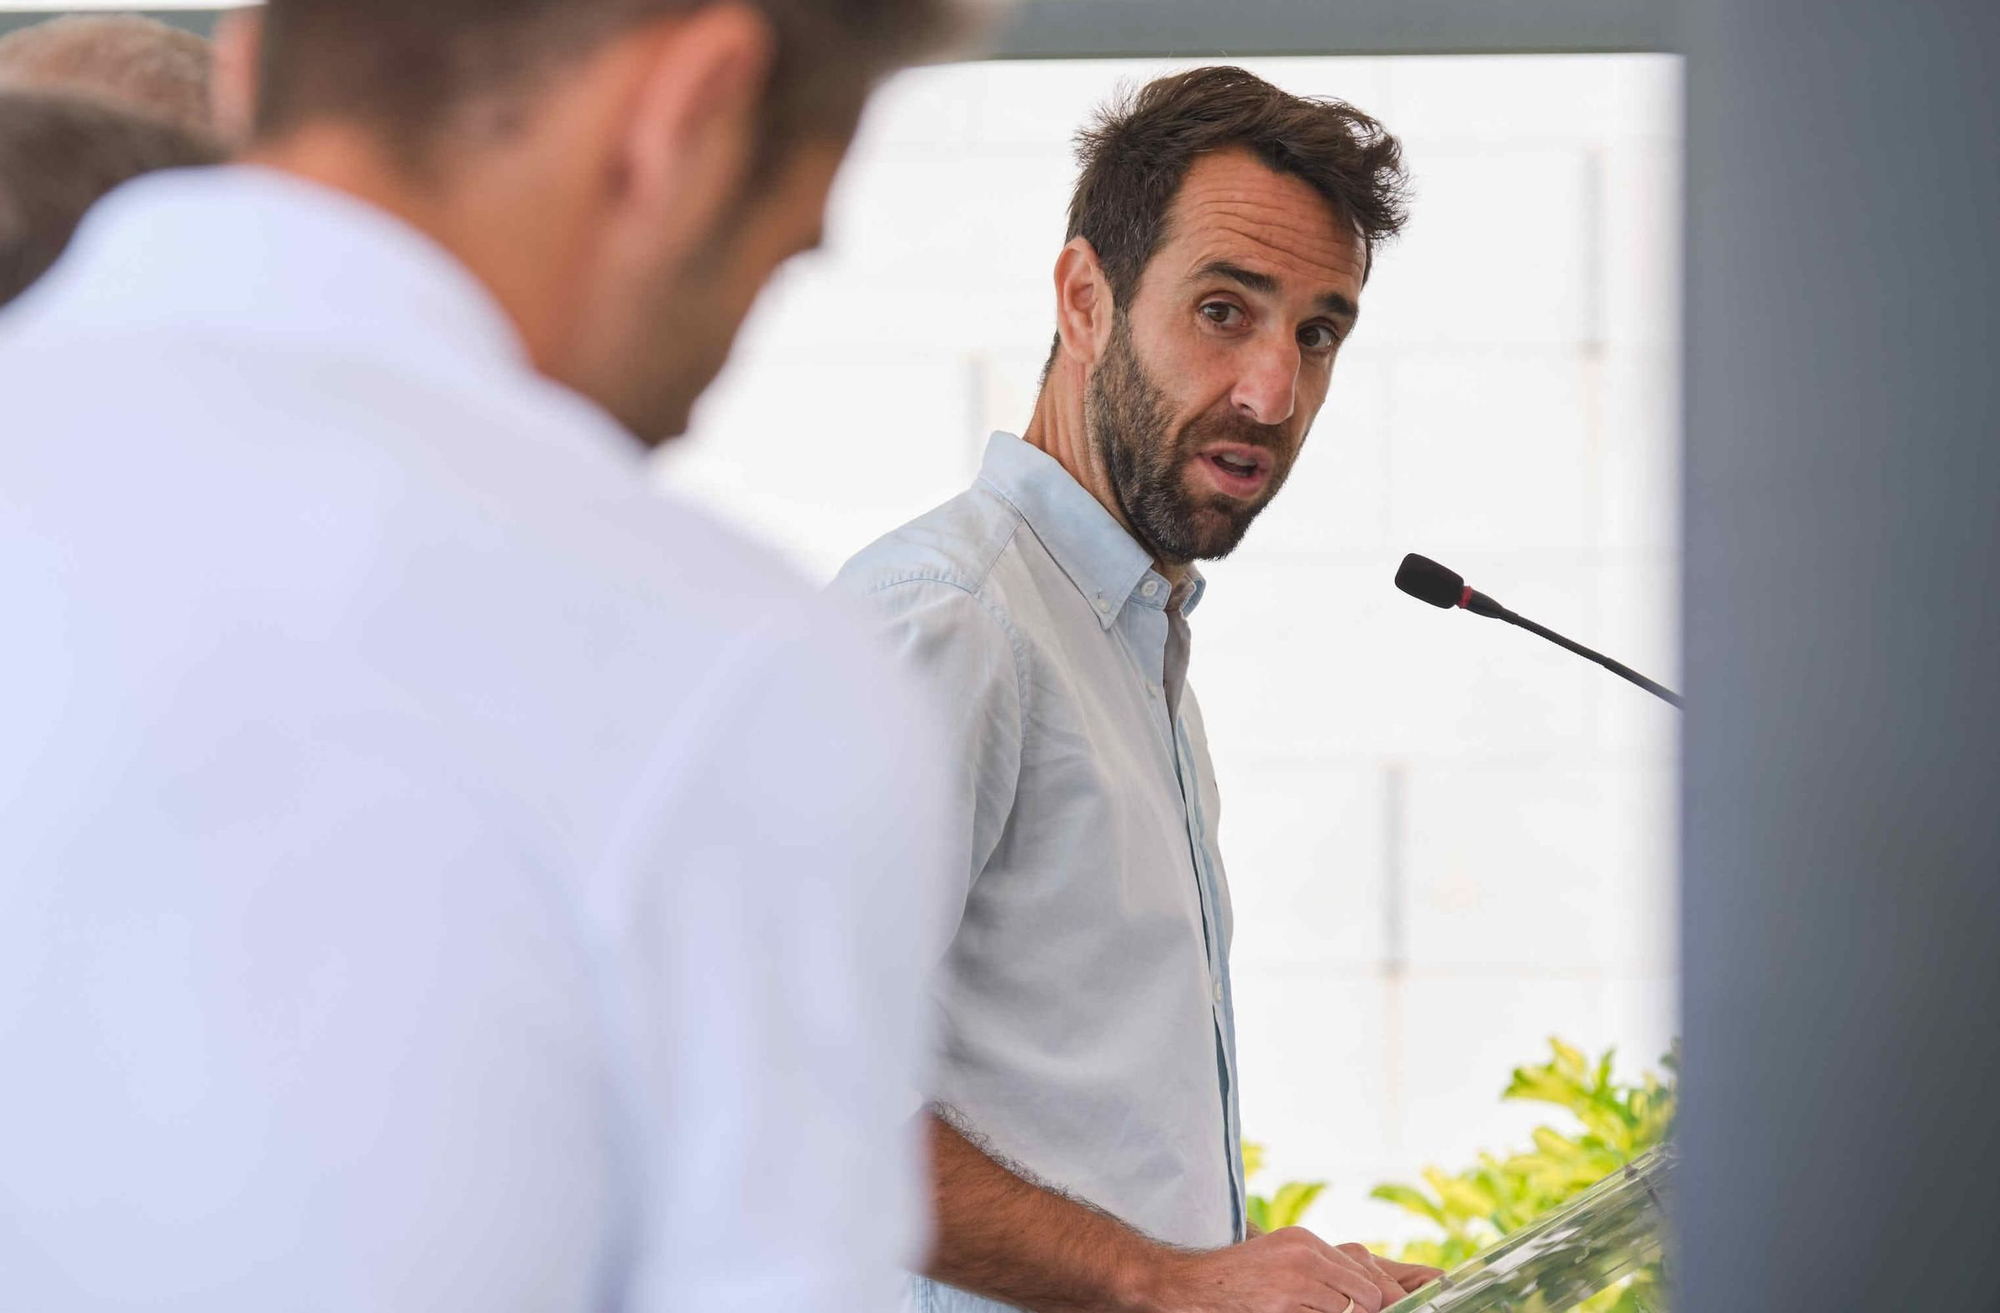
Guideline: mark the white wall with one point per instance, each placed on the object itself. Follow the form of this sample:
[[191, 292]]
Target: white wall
[[1446, 840]]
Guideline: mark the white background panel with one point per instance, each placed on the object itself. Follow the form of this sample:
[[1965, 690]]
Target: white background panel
[[1641, 202], [1296, 661], [1490, 446], [1638, 452], [1463, 1035], [1490, 253], [1330, 1035], [1507, 862], [1305, 848]]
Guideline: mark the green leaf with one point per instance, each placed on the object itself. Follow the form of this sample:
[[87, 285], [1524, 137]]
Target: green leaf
[[1608, 1127], [1555, 1146], [1461, 1196], [1259, 1212], [1410, 1200], [1292, 1201], [1501, 1193], [1547, 1085]]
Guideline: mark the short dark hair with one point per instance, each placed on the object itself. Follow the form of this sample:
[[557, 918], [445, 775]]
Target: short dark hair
[[141, 63], [60, 153], [407, 66], [1136, 154]]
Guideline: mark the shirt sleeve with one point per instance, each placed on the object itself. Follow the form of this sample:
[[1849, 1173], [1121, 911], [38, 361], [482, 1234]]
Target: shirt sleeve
[[779, 988], [970, 676]]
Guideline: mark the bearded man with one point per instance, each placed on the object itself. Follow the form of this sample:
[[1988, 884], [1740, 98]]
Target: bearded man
[[1083, 1123]]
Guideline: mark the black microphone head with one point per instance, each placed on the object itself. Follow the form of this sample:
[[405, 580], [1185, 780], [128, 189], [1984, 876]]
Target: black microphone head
[[1427, 581]]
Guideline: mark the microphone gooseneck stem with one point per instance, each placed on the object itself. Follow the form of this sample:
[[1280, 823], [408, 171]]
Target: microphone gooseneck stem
[[1618, 668]]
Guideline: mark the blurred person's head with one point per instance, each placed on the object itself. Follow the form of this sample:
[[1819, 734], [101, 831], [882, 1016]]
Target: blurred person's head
[[1219, 236], [59, 153], [141, 63], [624, 175]]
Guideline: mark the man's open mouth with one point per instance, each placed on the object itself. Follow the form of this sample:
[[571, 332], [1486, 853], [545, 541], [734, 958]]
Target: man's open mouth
[[1239, 470]]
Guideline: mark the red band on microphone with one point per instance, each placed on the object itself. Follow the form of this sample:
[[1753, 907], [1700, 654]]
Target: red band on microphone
[[1467, 599]]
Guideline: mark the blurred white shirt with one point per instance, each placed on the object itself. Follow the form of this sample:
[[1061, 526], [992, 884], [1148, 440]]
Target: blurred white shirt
[[437, 871]]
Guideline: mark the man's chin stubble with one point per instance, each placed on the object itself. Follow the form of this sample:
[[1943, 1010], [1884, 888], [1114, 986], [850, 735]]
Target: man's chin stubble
[[1219, 530]]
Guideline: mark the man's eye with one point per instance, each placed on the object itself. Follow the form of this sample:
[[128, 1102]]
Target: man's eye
[[1221, 312], [1318, 337]]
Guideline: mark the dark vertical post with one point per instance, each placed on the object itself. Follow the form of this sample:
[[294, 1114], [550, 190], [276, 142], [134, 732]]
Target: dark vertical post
[[1841, 909]]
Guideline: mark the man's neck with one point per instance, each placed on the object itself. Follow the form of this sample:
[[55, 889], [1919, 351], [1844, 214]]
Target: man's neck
[[460, 218], [1058, 428]]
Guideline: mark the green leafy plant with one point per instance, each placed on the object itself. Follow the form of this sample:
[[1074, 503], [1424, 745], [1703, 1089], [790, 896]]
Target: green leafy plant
[[1501, 1193]]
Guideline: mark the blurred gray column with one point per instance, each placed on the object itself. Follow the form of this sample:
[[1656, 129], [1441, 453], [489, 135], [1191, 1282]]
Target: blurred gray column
[[1842, 800]]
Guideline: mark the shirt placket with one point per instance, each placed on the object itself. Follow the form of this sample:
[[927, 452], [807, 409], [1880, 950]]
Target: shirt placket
[[1171, 661], [1222, 1001]]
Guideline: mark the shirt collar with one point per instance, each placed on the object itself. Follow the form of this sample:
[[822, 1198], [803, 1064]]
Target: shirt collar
[[244, 247], [1104, 561]]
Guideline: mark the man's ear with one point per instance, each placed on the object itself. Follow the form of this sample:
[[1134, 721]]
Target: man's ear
[[1084, 308], [692, 128]]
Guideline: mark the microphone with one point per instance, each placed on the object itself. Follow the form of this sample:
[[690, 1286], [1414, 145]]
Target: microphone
[[1427, 581]]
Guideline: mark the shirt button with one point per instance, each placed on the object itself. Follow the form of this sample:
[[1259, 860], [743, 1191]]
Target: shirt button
[[1103, 605], [1152, 587], [1218, 991]]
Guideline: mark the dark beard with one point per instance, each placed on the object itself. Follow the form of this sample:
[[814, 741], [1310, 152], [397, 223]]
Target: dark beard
[[1126, 416]]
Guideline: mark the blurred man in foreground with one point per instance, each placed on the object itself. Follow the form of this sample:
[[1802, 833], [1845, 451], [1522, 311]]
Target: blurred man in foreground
[[59, 153], [140, 63], [438, 873], [1085, 1137]]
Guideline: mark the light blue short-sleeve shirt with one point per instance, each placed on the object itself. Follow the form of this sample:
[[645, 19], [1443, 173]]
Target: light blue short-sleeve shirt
[[1088, 1031]]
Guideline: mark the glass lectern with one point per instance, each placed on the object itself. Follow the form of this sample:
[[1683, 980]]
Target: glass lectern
[[1611, 1231]]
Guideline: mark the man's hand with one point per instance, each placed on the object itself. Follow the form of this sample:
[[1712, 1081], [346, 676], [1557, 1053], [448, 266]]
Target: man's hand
[[1011, 1239], [1284, 1272]]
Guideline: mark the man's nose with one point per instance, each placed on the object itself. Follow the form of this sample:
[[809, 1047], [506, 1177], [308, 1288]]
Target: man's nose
[[1267, 391]]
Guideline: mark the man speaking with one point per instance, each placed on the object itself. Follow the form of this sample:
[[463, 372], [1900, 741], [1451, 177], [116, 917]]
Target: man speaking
[[438, 872], [1084, 1126]]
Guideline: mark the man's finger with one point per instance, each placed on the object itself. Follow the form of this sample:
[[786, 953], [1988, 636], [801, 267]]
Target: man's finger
[[1377, 1268], [1329, 1301], [1421, 1273], [1355, 1281], [1412, 1276]]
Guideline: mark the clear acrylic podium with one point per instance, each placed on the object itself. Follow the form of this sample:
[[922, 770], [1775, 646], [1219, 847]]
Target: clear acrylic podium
[[1615, 1228]]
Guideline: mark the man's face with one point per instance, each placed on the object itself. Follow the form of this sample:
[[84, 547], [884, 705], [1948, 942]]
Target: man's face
[[1216, 369], [694, 312]]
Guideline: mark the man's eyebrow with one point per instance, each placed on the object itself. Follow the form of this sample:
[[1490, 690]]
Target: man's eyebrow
[[1250, 279], [1336, 304], [1265, 285]]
